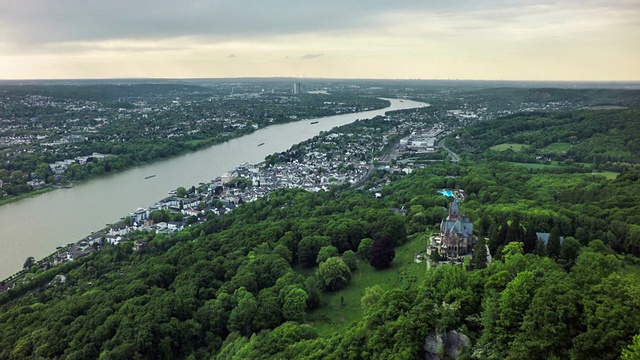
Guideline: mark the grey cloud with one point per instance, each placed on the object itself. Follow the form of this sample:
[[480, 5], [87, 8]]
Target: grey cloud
[[231, 56], [45, 21], [310, 56], [39, 22]]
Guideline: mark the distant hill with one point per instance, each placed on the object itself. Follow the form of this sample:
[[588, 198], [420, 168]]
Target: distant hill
[[587, 97], [98, 91]]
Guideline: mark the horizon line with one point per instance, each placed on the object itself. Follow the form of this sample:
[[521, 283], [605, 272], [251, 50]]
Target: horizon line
[[315, 78]]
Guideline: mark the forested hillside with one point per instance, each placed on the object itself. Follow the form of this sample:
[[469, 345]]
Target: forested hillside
[[246, 285], [586, 97], [605, 138], [185, 294]]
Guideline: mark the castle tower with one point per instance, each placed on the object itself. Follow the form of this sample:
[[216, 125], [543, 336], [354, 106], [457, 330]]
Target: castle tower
[[456, 232]]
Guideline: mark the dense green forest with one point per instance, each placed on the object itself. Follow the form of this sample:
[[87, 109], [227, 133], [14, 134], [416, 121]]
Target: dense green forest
[[605, 139], [587, 97], [205, 291]]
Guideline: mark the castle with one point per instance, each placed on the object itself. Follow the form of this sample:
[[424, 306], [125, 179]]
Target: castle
[[456, 233]]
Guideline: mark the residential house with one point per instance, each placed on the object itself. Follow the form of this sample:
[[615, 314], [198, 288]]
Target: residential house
[[139, 245], [120, 229]]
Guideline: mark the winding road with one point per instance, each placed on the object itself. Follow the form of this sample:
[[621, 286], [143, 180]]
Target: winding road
[[454, 156]]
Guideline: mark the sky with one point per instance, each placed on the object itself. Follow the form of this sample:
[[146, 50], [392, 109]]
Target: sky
[[582, 40]]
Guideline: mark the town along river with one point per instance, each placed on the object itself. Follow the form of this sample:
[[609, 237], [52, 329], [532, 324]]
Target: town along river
[[36, 226]]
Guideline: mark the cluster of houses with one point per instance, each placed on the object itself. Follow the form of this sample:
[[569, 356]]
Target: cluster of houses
[[11, 139], [223, 194], [59, 167], [332, 159], [315, 171]]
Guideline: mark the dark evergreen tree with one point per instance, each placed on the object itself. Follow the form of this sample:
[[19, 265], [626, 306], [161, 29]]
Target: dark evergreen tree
[[553, 245], [569, 251], [493, 238], [497, 237], [313, 291], [480, 254], [309, 247], [514, 233], [484, 226], [502, 233], [541, 249], [382, 253], [530, 240]]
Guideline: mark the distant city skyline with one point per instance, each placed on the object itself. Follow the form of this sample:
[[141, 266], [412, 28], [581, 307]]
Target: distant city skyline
[[575, 40]]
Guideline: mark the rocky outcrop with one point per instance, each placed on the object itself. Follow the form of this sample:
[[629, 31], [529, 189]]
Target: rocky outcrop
[[448, 345]]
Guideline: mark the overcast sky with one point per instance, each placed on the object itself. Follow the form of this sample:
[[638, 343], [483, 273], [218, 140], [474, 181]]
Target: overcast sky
[[426, 39]]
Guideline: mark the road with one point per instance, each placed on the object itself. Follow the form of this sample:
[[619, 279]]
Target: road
[[384, 160], [387, 156], [454, 156]]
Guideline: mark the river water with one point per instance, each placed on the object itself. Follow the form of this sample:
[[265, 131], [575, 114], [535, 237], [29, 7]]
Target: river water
[[36, 226]]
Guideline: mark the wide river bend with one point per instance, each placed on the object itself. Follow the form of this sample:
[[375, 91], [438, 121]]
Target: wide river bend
[[36, 226]]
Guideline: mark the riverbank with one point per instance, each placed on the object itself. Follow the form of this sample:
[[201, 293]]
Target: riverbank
[[34, 193], [181, 148], [36, 227]]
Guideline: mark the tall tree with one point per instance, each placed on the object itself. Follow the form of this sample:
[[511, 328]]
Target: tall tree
[[553, 245], [242, 315], [569, 251], [502, 233], [283, 252], [29, 263], [480, 254], [333, 274], [269, 314], [371, 301], [530, 239], [514, 233], [181, 192], [313, 292], [382, 253], [325, 253], [497, 237], [364, 249], [295, 305], [349, 258], [552, 320], [309, 247], [541, 249]]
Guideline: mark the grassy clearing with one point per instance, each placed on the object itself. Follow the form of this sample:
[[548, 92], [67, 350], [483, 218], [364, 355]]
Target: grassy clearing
[[506, 146], [333, 316], [535, 166], [633, 270], [609, 175], [556, 148]]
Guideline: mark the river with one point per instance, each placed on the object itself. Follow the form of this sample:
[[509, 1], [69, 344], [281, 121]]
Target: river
[[36, 226]]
